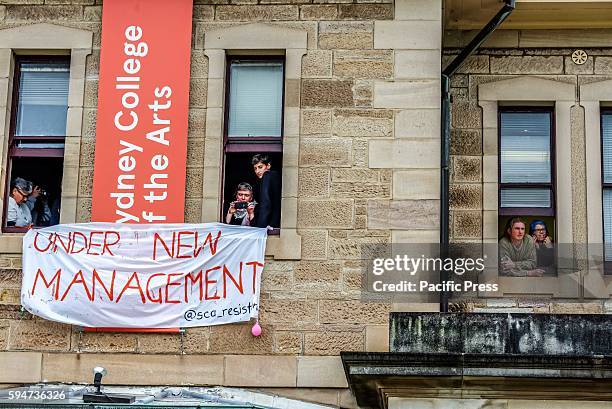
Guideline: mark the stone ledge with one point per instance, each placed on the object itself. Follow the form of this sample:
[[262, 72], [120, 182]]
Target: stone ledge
[[571, 335], [287, 246], [486, 365], [314, 371], [374, 377], [173, 369], [11, 243], [45, 36], [20, 367], [135, 369], [255, 36]]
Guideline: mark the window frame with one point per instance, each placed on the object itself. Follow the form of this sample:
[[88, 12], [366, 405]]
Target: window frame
[[15, 152], [246, 144], [260, 39], [52, 40], [528, 211], [607, 265], [527, 91]]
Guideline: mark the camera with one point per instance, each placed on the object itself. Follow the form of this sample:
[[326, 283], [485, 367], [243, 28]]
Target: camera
[[241, 205]]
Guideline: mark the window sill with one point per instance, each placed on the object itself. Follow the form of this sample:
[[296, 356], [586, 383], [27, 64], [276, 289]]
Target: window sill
[[561, 286], [285, 246], [13, 229], [274, 232], [11, 243]]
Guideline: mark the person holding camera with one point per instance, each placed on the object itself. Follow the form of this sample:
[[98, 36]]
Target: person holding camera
[[21, 202], [242, 211]]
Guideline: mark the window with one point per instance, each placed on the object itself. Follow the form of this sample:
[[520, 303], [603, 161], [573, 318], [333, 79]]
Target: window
[[253, 125], [526, 166], [526, 163], [606, 178], [526, 182], [255, 100], [36, 142]]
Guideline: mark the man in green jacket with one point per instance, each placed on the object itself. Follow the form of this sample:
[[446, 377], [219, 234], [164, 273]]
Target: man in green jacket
[[517, 252]]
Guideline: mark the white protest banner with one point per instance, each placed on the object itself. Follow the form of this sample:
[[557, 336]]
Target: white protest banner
[[143, 276]]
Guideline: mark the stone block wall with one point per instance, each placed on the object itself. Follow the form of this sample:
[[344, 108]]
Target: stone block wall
[[368, 172], [511, 54]]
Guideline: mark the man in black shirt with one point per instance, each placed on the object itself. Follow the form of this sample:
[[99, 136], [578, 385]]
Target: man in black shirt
[[267, 213]]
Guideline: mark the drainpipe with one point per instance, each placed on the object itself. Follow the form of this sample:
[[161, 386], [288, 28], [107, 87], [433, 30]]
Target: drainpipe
[[476, 42]]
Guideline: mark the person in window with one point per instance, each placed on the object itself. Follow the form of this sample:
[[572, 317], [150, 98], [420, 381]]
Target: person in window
[[269, 193], [242, 211], [517, 252], [545, 252], [41, 213], [21, 202]]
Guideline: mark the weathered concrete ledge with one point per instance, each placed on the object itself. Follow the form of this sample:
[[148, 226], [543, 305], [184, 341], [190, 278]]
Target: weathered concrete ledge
[[515, 356], [533, 334]]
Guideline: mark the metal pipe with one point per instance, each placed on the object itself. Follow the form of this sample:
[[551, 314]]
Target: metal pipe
[[213, 398], [481, 37], [156, 396], [444, 184], [476, 42]]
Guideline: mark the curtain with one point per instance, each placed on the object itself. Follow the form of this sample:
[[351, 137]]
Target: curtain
[[43, 99], [256, 99]]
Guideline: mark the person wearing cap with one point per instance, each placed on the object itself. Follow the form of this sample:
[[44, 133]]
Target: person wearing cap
[[20, 203]]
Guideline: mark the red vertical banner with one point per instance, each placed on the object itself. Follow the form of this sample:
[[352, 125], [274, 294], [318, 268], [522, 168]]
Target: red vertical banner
[[143, 103]]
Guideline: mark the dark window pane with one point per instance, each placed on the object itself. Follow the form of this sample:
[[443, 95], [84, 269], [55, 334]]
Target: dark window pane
[[46, 173], [238, 169], [43, 99], [525, 147], [255, 99]]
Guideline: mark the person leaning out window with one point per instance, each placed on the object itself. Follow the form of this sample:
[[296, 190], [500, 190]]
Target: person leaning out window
[[242, 210], [21, 202], [545, 251], [517, 252]]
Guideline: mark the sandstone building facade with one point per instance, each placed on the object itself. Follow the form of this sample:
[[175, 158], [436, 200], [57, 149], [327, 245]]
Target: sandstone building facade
[[361, 165]]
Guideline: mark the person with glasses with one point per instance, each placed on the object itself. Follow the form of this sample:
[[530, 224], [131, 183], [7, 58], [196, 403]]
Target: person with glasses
[[21, 202], [545, 251]]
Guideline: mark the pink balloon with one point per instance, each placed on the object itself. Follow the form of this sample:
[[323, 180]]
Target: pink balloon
[[256, 330]]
